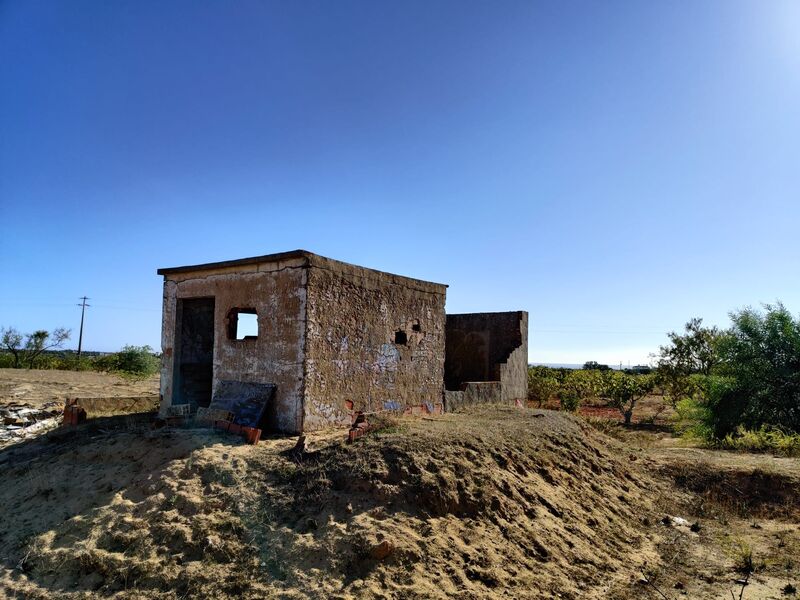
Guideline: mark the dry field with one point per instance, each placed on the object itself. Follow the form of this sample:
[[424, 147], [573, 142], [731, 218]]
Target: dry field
[[36, 388], [496, 503], [32, 401]]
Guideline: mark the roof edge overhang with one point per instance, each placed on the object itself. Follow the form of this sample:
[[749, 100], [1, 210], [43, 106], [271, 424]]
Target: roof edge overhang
[[309, 258]]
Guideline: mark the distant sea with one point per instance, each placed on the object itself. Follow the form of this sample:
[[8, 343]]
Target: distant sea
[[569, 365]]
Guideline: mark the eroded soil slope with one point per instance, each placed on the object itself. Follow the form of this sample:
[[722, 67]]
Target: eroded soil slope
[[501, 503]]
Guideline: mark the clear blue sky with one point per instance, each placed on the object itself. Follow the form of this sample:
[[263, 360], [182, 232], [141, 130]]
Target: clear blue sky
[[614, 168]]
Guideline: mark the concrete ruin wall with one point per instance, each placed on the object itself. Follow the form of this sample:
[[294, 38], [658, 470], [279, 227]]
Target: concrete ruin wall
[[472, 393], [486, 347], [277, 291], [373, 338]]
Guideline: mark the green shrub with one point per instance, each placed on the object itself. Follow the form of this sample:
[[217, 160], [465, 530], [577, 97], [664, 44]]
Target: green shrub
[[569, 399], [765, 439], [542, 384], [137, 360], [106, 363], [584, 384], [131, 361], [760, 362], [6, 360], [691, 420]]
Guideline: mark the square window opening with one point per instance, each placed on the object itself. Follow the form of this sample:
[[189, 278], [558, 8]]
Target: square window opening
[[243, 324], [400, 338]]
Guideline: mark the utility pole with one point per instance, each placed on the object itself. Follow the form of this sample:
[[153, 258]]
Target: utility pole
[[83, 306]]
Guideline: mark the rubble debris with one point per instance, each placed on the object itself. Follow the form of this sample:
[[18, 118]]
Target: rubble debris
[[360, 427], [18, 421], [247, 400], [251, 435], [74, 414], [207, 416]]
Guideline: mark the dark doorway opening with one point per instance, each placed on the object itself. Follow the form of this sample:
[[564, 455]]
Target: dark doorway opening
[[194, 352]]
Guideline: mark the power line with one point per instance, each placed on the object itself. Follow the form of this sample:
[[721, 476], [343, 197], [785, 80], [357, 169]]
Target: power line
[[83, 306]]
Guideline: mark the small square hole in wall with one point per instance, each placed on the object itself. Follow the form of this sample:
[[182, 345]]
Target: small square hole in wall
[[400, 338], [243, 324], [416, 327]]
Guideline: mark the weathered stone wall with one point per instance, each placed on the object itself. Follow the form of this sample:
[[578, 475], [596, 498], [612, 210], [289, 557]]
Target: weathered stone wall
[[353, 350], [277, 291], [514, 371], [473, 392], [488, 347]]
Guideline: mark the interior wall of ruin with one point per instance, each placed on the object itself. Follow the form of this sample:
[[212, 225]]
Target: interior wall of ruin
[[488, 347]]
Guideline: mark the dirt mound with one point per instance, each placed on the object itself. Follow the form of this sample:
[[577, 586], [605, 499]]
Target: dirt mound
[[497, 503]]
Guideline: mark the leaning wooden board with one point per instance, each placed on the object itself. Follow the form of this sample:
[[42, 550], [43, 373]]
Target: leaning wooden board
[[247, 401]]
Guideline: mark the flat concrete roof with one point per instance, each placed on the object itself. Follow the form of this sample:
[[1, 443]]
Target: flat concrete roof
[[310, 259]]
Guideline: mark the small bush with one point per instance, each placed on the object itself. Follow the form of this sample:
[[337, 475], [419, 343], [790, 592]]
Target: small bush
[[569, 399], [542, 384], [691, 420], [131, 361], [107, 363], [765, 439], [137, 361], [6, 360]]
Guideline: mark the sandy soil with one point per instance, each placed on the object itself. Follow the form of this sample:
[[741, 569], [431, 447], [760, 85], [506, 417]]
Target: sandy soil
[[496, 503], [515, 503], [36, 388]]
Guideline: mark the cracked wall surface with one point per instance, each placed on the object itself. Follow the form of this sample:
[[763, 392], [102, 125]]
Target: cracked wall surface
[[373, 339]]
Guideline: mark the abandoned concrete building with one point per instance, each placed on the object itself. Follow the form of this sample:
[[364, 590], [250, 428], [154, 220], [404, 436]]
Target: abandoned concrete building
[[319, 339]]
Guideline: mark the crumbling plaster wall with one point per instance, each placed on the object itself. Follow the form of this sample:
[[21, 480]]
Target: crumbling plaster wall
[[351, 355], [278, 293], [488, 347]]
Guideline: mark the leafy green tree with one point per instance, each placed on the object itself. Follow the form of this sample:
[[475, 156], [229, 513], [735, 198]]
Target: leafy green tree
[[626, 390], [759, 372], [585, 383], [577, 386], [593, 365], [694, 352]]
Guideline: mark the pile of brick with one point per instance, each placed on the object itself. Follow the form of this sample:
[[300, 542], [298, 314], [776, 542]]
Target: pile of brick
[[251, 435]]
